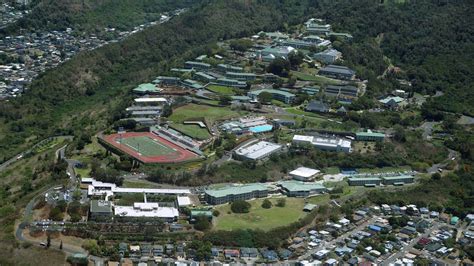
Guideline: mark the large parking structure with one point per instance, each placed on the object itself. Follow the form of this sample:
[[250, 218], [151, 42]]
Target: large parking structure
[[148, 148]]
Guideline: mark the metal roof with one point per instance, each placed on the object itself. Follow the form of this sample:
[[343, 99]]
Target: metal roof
[[235, 190]]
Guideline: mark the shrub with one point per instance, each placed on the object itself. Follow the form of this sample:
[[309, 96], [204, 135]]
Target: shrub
[[266, 204], [240, 206], [281, 202], [202, 223]]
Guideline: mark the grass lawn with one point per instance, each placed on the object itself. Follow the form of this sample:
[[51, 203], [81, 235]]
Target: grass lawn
[[147, 146], [83, 172], [193, 111], [221, 89], [194, 131], [316, 78], [319, 199], [260, 218]]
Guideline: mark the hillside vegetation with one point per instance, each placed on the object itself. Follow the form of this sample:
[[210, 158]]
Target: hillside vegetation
[[80, 96], [94, 15]]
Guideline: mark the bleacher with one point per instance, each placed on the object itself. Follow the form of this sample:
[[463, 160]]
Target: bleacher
[[178, 139]]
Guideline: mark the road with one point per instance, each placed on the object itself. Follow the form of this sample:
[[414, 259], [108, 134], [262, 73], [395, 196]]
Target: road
[[20, 156], [67, 248], [434, 168]]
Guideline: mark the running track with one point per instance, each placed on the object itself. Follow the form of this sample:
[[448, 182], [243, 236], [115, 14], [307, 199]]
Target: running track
[[180, 155]]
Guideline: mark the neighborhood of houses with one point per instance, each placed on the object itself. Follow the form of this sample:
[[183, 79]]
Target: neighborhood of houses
[[29, 54]]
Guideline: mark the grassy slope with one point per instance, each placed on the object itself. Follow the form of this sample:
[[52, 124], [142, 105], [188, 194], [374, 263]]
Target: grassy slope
[[260, 218]]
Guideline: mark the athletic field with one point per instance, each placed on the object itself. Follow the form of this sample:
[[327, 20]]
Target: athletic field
[[149, 148], [146, 146]]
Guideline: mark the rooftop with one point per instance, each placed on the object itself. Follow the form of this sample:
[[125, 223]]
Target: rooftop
[[304, 172], [293, 185], [235, 189], [150, 100], [258, 150], [100, 206], [273, 91]]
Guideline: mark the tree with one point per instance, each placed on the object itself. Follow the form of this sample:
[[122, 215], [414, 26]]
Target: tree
[[281, 202], [167, 110], [202, 223], [225, 100], [48, 241], [240, 206], [266, 204], [280, 67], [436, 176], [295, 59], [241, 45], [265, 97]]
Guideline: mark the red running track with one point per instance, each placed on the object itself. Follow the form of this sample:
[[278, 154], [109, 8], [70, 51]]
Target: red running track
[[181, 155]]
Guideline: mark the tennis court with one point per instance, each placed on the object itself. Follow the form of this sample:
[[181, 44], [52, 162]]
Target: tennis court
[[146, 146], [149, 148]]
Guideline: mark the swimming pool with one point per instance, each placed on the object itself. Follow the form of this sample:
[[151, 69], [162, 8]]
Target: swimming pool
[[260, 129]]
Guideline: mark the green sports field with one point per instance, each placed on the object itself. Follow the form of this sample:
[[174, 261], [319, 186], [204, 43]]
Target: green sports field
[[146, 146], [260, 218]]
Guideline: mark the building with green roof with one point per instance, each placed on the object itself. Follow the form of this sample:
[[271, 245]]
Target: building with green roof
[[370, 136], [235, 192], [293, 188], [146, 88], [195, 213], [398, 180], [364, 181], [280, 95]]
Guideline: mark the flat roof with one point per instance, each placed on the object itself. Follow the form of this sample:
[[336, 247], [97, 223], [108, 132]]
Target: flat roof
[[304, 172], [148, 211], [258, 150], [147, 87], [184, 201], [397, 177], [101, 206], [294, 186], [235, 190], [150, 100], [370, 134], [364, 179], [338, 69], [151, 190]]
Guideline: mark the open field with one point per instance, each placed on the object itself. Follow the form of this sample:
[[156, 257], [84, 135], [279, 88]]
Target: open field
[[260, 218], [146, 146], [194, 131], [193, 111], [221, 89]]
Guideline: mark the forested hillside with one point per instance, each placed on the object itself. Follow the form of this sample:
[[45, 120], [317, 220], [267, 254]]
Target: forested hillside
[[74, 97], [431, 42]]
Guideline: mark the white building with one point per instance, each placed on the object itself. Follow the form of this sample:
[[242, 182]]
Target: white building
[[97, 188], [147, 210], [150, 101], [257, 151], [304, 173], [327, 144]]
